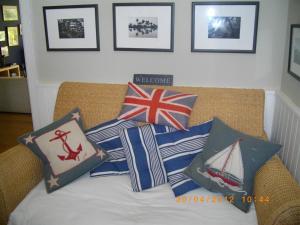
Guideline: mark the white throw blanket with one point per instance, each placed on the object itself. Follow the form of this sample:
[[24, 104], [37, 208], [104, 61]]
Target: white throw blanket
[[110, 200]]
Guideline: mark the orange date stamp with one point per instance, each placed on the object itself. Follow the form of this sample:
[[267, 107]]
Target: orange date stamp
[[219, 199]]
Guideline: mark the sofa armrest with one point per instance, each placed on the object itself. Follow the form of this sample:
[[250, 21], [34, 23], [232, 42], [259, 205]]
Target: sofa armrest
[[273, 181], [20, 171]]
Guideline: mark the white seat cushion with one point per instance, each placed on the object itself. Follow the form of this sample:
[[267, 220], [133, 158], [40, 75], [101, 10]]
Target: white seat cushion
[[110, 200]]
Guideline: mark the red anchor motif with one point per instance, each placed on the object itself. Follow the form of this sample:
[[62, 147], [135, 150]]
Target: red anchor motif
[[72, 155]]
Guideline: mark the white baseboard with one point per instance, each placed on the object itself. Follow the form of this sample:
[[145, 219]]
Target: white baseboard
[[286, 131], [270, 99], [46, 97]]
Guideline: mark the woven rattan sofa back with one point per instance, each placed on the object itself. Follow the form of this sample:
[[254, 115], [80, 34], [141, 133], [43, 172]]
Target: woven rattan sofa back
[[242, 109]]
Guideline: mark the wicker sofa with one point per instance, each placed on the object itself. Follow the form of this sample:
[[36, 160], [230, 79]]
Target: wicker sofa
[[243, 109]]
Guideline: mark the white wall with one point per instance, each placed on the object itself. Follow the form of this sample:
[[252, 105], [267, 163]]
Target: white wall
[[290, 86], [260, 70]]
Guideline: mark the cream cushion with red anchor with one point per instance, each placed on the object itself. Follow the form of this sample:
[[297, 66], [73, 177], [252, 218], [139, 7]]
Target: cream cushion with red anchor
[[65, 151]]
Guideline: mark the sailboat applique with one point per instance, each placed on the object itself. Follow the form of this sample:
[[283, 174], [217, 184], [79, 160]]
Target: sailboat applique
[[226, 168]]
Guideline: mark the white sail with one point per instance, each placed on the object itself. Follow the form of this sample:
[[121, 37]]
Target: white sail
[[218, 160], [229, 160], [235, 163]]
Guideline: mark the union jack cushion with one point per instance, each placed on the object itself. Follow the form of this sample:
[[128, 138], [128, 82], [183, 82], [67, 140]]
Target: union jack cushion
[[157, 106]]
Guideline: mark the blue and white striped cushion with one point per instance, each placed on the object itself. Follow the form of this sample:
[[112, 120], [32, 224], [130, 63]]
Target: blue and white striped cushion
[[178, 150], [106, 136], [145, 164]]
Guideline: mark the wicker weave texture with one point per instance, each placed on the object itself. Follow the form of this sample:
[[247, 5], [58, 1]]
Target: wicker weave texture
[[20, 171], [275, 182], [242, 109]]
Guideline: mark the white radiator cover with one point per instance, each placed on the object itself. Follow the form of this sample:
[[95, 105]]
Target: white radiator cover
[[286, 131]]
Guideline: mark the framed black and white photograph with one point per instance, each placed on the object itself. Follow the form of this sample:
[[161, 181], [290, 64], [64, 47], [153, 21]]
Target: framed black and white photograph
[[143, 26], [4, 51], [10, 13], [224, 26], [294, 53], [2, 36], [72, 28], [13, 36]]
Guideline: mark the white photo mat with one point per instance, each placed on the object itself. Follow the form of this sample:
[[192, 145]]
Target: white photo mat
[[85, 14], [124, 15], [247, 36]]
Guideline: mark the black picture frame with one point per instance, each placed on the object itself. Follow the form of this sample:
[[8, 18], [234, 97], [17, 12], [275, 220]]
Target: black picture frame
[[294, 52], [54, 42], [169, 47], [215, 38]]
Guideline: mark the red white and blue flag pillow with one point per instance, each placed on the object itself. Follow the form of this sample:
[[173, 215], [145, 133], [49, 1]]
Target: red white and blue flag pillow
[[157, 106]]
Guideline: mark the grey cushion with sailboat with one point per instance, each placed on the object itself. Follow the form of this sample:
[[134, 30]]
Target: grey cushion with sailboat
[[229, 162]]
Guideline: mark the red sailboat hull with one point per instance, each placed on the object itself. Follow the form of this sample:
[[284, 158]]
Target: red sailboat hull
[[226, 180]]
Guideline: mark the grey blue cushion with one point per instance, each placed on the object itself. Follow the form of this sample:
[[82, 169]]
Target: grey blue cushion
[[178, 149], [106, 136], [145, 164], [229, 162], [64, 150], [157, 106]]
